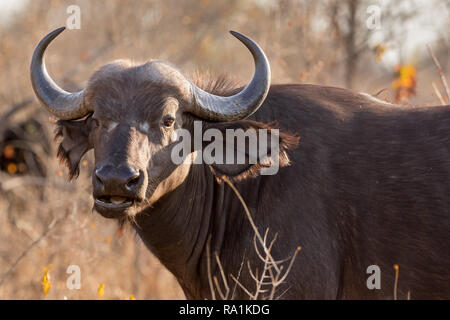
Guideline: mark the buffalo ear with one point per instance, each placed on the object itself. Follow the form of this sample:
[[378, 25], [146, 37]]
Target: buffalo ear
[[236, 172], [74, 144]]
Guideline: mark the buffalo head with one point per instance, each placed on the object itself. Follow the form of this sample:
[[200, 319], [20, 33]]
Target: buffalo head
[[128, 114]]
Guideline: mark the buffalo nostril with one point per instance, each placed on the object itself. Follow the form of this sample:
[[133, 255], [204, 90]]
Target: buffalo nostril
[[117, 179], [133, 181]]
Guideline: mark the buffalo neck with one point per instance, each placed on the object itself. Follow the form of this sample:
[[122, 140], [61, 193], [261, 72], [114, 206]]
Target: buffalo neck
[[179, 226]]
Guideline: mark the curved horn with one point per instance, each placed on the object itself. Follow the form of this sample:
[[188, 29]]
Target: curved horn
[[242, 104], [62, 104]]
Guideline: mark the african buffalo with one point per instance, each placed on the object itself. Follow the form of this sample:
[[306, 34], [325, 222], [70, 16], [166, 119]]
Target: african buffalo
[[361, 182]]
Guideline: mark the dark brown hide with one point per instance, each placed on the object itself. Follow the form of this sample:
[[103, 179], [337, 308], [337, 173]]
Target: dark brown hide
[[368, 184]]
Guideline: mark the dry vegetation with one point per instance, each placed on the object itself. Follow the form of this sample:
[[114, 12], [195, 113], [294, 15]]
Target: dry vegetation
[[47, 222]]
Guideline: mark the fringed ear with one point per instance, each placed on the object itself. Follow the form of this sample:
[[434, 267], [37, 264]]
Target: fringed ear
[[263, 152], [74, 144]]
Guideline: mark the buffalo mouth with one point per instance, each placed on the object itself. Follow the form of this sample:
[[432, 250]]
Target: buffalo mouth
[[114, 202]]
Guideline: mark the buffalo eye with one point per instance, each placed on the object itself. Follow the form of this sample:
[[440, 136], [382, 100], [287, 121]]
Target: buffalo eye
[[168, 122]]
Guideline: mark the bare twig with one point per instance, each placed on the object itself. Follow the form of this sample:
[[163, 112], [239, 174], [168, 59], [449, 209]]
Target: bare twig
[[273, 273], [249, 216], [208, 266], [272, 269], [12, 110], [380, 92], [50, 227], [224, 279], [259, 283], [438, 93], [221, 294], [291, 263], [396, 268], [238, 276], [253, 275], [15, 108], [15, 182], [441, 73], [241, 286]]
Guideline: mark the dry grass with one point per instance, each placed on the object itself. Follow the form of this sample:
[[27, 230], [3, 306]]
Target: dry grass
[[50, 223]]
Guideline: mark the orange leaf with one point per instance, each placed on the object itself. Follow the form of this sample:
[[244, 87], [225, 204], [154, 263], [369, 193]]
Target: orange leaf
[[12, 168], [8, 152]]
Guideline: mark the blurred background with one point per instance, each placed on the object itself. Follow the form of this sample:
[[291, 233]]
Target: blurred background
[[46, 222]]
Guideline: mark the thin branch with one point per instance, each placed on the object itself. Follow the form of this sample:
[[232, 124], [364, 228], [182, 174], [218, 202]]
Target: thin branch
[[241, 286], [208, 266], [219, 290], [441, 73], [16, 182], [12, 110], [249, 216], [15, 108], [260, 256], [290, 265], [277, 277], [254, 275], [238, 276], [282, 294], [259, 283], [50, 227], [396, 268], [224, 279], [438, 93]]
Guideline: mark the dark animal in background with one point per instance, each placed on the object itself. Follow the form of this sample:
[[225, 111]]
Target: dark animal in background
[[368, 184], [22, 147]]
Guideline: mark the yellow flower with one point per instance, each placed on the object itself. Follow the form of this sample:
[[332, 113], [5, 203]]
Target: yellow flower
[[101, 290], [131, 297], [46, 281]]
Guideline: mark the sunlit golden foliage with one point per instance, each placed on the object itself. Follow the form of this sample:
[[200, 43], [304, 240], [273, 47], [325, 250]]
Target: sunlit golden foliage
[[405, 82], [46, 281], [379, 50], [101, 290]]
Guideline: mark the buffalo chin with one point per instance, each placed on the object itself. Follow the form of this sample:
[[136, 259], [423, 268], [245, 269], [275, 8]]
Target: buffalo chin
[[113, 210]]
